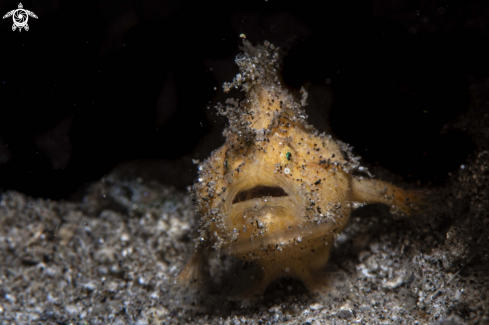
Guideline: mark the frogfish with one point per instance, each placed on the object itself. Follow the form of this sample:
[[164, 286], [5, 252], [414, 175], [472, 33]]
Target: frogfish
[[277, 192]]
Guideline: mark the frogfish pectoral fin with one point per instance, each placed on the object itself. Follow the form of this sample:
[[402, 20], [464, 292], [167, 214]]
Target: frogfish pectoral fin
[[408, 202], [192, 271]]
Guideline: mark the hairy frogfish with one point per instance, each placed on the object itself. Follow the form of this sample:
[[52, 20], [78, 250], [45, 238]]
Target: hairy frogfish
[[277, 192]]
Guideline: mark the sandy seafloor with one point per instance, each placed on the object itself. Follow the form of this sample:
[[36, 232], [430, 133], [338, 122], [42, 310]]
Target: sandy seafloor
[[111, 258]]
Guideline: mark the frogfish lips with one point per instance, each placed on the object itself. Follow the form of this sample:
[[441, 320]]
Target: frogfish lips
[[262, 214]]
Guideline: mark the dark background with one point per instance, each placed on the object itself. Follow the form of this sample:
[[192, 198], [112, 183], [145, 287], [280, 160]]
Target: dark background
[[96, 84]]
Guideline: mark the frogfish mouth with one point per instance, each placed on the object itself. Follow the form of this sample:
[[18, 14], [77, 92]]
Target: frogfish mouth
[[277, 192]]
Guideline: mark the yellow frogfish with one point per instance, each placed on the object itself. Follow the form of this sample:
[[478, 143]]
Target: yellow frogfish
[[277, 192]]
